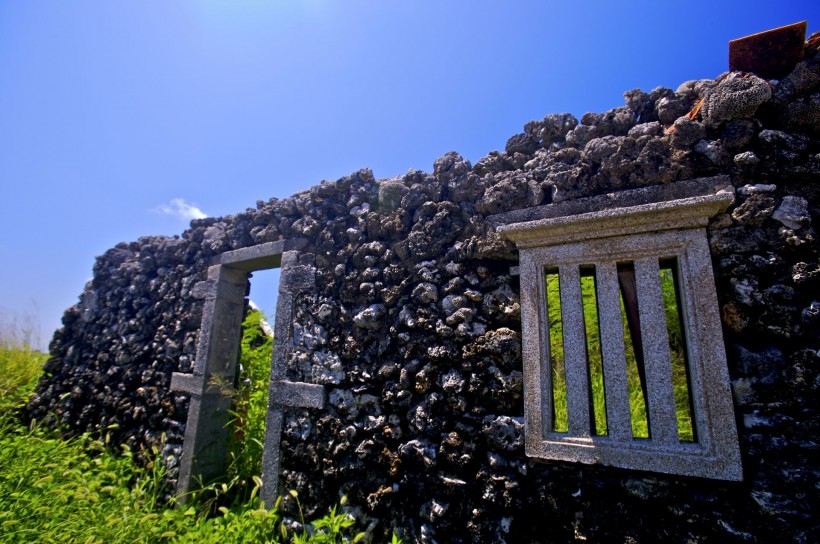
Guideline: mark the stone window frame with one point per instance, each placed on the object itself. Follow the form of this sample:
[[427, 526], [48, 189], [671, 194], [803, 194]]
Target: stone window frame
[[642, 233]]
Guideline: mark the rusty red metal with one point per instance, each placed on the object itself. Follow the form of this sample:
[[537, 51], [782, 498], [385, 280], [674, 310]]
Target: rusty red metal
[[771, 54]]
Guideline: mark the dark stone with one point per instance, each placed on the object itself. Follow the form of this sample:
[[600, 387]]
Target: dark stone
[[803, 114], [687, 132], [521, 143], [450, 166], [762, 367], [755, 210], [782, 147], [738, 133], [508, 194], [672, 108], [391, 194], [553, 128]]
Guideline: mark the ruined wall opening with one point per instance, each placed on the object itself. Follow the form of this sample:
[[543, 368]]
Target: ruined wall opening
[[205, 447], [250, 395]]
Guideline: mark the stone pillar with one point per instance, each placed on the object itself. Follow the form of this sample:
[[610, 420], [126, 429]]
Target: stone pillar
[[212, 382]]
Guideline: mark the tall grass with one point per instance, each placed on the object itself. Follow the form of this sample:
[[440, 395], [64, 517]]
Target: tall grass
[[85, 490], [250, 401], [20, 363]]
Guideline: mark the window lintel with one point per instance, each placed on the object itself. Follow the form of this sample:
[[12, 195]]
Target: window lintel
[[692, 212]]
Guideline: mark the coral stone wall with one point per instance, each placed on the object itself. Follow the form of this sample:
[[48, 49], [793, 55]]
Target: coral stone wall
[[415, 328]]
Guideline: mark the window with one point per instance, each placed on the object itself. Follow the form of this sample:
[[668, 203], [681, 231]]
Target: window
[[624, 362]]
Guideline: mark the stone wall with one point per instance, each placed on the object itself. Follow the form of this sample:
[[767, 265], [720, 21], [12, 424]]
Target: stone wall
[[415, 328]]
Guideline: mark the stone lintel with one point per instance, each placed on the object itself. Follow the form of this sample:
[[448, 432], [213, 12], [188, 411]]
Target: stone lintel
[[296, 395], [259, 257], [683, 213], [619, 199]]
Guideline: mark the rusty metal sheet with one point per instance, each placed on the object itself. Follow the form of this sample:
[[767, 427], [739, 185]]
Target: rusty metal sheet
[[771, 54]]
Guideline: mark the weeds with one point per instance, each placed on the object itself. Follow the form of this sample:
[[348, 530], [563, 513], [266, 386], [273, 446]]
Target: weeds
[[250, 402], [84, 490], [20, 364], [56, 490]]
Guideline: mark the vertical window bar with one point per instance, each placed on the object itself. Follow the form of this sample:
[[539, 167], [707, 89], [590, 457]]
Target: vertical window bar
[[613, 347], [575, 358], [593, 345], [535, 351], [635, 378], [663, 426], [633, 349], [555, 333]]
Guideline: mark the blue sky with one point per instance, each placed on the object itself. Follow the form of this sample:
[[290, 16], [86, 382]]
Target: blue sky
[[128, 118]]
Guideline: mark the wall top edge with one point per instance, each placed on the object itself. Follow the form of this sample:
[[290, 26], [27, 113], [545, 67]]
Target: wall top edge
[[619, 199], [683, 213]]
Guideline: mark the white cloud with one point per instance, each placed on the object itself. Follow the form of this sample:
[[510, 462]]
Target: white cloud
[[179, 208]]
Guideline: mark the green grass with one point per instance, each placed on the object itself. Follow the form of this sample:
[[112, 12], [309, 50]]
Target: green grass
[[85, 490], [596, 369], [250, 402], [20, 364], [556, 340]]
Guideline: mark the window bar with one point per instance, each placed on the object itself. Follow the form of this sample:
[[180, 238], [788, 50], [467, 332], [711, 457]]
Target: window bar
[[663, 426], [616, 387], [575, 356], [633, 350], [629, 291]]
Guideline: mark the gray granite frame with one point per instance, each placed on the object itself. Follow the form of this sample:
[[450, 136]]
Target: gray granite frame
[[642, 234], [204, 450]]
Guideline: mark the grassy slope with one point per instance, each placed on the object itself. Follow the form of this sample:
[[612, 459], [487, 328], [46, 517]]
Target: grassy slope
[[81, 490]]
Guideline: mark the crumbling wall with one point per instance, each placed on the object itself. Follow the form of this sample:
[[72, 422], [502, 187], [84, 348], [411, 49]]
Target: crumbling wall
[[415, 328]]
